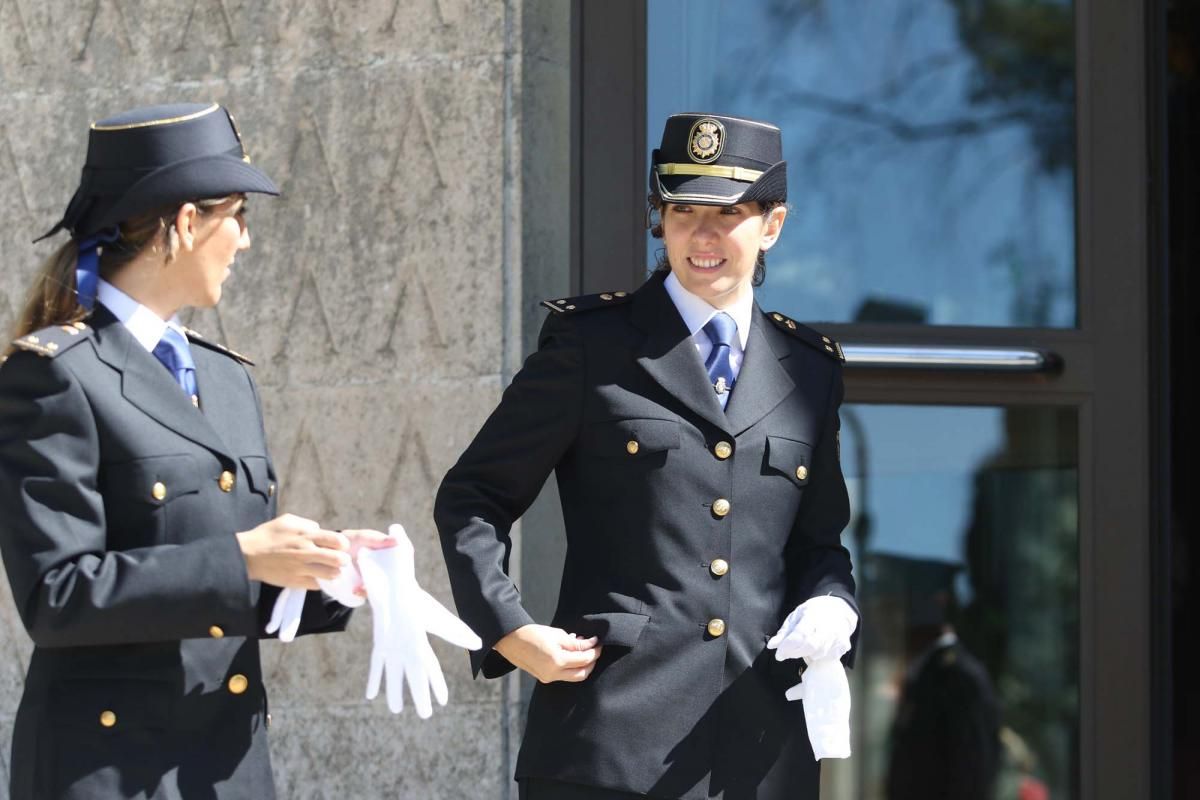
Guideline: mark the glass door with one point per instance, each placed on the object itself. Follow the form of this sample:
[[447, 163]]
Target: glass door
[[931, 158], [968, 217]]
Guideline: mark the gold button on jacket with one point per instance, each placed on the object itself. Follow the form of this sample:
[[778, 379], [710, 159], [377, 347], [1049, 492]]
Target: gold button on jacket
[[720, 507], [719, 567], [108, 719], [716, 627], [216, 632], [801, 472], [723, 450], [631, 447], [238, 684], [226, 481], [158, 491]]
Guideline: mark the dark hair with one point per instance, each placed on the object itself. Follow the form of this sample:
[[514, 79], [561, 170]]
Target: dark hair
[[51, 299], [654, 209]]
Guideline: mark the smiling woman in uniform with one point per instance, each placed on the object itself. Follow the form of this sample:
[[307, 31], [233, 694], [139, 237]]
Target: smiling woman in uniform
[[138, 520], [694, 439]]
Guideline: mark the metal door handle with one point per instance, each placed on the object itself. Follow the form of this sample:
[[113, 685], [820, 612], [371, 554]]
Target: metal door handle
[[938, 357]]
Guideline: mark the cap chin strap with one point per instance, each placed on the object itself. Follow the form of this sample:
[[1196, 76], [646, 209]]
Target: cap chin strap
[[87, 266]]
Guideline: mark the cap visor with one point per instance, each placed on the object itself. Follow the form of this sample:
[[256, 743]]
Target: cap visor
[[195, 179], [701, 189], [712, 191]]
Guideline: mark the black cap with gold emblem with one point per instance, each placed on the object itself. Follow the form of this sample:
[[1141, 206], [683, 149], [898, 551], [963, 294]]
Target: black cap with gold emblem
[[716, 160]]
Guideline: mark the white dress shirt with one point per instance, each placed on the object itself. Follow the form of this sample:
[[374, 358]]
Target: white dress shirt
[[146, 326], [696, 313]]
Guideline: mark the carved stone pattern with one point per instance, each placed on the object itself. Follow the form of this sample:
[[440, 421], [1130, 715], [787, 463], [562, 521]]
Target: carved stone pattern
[[370, 298]]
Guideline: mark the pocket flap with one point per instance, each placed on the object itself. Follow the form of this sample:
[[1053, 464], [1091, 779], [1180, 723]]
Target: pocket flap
[[155, 480], [632, 438], [111, 704], [790, 458], [258, 472], [617, 628]]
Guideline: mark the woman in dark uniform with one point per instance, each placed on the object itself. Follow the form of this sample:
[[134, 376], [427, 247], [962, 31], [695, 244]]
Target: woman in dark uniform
[[695, 443], [138, 523]]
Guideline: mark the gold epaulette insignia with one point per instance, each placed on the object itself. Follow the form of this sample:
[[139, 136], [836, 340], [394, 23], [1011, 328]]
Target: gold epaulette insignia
[[53, 340], [587, 302], [807, 335]]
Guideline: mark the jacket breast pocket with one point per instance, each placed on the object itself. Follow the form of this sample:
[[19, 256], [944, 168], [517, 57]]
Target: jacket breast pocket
[[137, 494], [646, 440], [790, 458], [260, 475]]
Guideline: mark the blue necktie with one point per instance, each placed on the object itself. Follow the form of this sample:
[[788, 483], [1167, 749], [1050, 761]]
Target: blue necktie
[[720, 329], [173, 351]]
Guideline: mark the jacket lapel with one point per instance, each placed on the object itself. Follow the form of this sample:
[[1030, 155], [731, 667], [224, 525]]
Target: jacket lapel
[[148, 386], [217, 406], [668, 354], [762, 382]]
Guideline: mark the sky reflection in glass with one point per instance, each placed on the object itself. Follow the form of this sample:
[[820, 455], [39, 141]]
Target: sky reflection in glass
[[930, 148]]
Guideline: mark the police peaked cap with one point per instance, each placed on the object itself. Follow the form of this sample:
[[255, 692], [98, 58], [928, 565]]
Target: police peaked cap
[[715, 160], [155, 157]]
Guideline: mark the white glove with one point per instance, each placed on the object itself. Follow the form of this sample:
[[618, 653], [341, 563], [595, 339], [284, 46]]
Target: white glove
[[403, 614], [826, 695], [289, 605], [285, 615], [818, 629]]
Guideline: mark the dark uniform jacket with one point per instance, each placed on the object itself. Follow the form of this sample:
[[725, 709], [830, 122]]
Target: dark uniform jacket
[[119, 501], [657, 484]]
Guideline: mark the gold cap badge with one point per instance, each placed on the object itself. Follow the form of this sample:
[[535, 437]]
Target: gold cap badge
[[707, 140]]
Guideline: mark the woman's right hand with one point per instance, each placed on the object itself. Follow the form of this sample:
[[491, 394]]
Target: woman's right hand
[[550, 654], [293, 552]]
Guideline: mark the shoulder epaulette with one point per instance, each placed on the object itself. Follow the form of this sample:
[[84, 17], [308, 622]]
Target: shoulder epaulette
[[807, 335], [198, 338], [573, 305], [54, 340]]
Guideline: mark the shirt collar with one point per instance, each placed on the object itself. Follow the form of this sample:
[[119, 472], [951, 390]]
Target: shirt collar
[[146, 326], [696, 311]]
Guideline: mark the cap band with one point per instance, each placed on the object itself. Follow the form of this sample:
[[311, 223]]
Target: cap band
[[710, 171]]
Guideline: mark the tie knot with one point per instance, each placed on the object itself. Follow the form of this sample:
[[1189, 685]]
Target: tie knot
[[721, 329], [173, 351]]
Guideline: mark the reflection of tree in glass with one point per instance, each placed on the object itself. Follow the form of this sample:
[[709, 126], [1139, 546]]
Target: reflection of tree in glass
[[1022, 58], [1022, 559], [940, 134]]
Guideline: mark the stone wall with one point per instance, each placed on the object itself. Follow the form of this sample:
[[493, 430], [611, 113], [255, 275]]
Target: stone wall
[[383, 297]]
